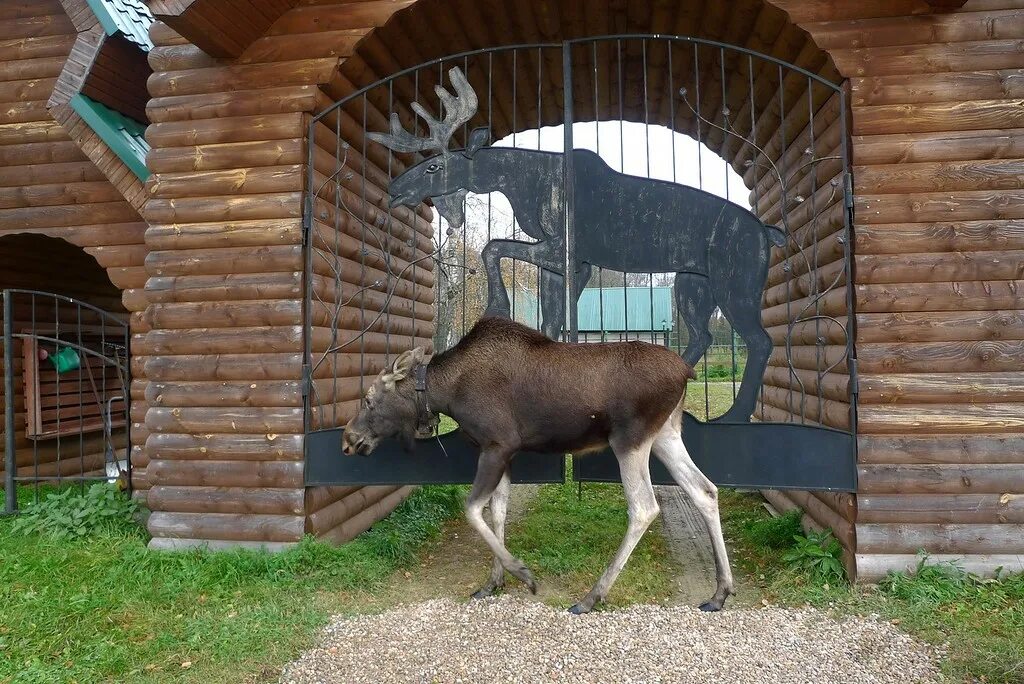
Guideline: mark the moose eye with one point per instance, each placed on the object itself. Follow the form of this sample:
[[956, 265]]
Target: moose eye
[[433, 168]]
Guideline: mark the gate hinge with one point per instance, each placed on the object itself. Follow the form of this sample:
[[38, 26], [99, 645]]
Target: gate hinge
[[854, 379], [848, 192], [306, 381]]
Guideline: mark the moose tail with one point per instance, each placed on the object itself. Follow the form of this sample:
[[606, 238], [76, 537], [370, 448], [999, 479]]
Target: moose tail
[[776, 235]]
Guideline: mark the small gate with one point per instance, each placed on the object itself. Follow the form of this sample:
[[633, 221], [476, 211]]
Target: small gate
[[578, 187], [66, 393]]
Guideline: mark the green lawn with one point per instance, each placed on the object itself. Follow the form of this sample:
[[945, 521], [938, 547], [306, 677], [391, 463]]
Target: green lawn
[[106, 609], [573, 537], [981, 620]]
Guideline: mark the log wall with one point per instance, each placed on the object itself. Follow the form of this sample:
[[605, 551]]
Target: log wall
[[936, 123], [53, 174]]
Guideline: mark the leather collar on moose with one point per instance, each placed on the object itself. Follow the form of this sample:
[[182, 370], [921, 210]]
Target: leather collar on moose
[[426, 420]]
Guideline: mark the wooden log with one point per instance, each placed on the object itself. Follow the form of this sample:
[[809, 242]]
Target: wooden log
[[362, 521], [940, 538], [940, 508], [824, 411], [224, 447], [931, 357], [222, 420], [931, 478], [825, 517], [222, 156], [233, 103], [318, 497], [916, 88], [942, 388], [269, 179], [940, 418], [873, 567], [954, 448], [940, 176], [334, 514], [940, 326], [222, 340], [811, 357], [229, 208], [205, 393], [220, 288], [289, 125], [190, 236], [238, 500], [925, 59], [967, 236], [933, 117], [226, 526], [943, 296], [240, 77], [225, 473], [832, 386], [939, 146]]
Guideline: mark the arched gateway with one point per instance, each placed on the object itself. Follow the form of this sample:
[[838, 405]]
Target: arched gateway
[[573, 216]]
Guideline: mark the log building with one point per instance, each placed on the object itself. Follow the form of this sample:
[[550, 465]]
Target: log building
[[201, 246]]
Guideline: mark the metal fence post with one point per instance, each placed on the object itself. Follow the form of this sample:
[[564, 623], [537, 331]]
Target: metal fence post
[[10, 465]]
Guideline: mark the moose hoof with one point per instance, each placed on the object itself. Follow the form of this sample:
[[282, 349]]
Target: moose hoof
[[710, 607], [579, 609], [523, 573]]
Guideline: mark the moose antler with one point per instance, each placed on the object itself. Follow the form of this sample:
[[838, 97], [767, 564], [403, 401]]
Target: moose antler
[[456, 110]]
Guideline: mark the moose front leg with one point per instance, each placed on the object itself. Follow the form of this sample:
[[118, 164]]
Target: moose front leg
[[545, 254]]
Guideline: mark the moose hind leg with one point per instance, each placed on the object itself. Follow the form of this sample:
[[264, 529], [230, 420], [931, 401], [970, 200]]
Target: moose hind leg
[[499, 510], [695, 303], [642, 507], [668, 448], [490, 470], [745, 316]]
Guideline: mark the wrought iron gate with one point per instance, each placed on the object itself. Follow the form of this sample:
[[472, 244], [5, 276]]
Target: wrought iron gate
[[66, 365], [577, 187]]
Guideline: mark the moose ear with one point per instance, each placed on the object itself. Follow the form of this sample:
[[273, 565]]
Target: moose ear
[[405, 363], [477, 139]]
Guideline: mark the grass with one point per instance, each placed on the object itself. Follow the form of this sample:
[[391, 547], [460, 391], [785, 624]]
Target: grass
[[572, 539], [105, 608], [981, 620], [710, 402]]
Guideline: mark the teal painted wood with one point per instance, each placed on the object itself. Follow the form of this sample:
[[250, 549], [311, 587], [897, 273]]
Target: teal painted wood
[[638, 302], [131, 18], [124, 136]]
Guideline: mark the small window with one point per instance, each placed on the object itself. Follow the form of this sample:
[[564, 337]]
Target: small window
[[74, 386]]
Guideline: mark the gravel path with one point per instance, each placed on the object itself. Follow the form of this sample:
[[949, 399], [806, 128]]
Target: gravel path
[[511, 640]]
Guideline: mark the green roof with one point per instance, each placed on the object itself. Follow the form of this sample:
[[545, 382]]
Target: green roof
[[124, 136], [614, 301], [130, 18], [618, 302]]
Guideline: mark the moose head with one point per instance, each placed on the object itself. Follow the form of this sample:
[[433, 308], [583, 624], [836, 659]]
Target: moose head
[[445, 176]]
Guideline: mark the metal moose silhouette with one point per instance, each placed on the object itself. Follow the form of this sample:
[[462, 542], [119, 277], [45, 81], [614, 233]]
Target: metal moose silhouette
[[718, 250]]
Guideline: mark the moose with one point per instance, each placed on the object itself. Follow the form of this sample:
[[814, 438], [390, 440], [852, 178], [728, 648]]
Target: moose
[[718, 250], [511, 388]]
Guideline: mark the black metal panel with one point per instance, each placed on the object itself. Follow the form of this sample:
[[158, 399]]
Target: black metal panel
[[754, 455], [448, 459]]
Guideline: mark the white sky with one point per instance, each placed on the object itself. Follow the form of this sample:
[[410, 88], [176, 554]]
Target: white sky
[[632, 148]]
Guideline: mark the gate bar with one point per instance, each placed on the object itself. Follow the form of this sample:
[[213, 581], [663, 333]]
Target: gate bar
[[568, 186], [10, 462]]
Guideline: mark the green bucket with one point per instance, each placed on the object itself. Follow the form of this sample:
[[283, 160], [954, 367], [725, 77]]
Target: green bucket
[[65, 359]]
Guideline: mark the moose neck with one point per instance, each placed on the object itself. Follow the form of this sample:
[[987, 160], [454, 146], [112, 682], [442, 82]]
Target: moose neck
[[506, 169], [442, 374]]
